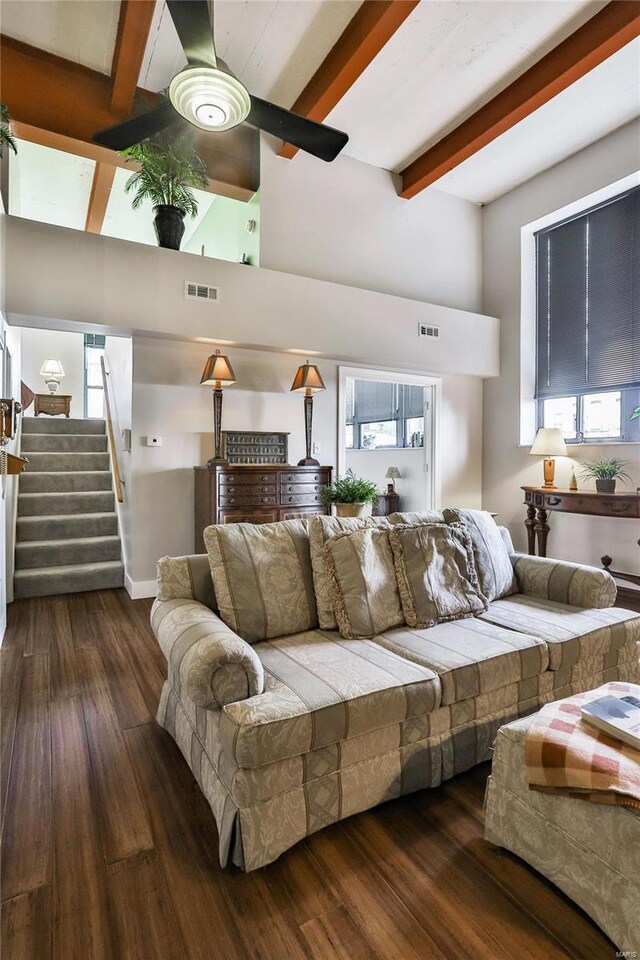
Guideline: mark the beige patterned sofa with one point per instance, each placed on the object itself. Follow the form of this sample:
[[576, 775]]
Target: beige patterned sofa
[[292, 733]]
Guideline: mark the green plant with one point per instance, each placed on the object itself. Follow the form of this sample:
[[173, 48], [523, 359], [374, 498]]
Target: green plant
[[612, 469], [635, 414], [6, 137], [349, 489], [168, 169]]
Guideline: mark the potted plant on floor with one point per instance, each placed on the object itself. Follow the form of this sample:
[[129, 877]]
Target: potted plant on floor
[[605, 473], [351, 496], [168, 170]]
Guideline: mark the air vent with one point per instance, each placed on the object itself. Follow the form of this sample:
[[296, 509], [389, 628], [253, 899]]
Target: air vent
[[200, 291], [428, 330]]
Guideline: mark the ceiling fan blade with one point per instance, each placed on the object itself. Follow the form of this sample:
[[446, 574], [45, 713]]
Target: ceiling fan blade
[[315, 138], [132, 131], [191, 20]]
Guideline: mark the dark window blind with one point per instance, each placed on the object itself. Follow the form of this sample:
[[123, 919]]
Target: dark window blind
[[588, 301], [377, 400]]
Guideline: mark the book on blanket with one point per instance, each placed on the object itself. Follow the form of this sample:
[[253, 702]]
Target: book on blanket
[[617, 716]]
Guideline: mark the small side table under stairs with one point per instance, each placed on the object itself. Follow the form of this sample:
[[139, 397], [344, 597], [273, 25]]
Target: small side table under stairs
[[52, 403]]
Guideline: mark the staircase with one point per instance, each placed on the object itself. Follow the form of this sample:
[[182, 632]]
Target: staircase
[[67, 531]]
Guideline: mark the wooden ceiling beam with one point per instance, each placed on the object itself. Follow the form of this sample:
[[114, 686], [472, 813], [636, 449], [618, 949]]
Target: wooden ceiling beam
[[371, 28], [599, 38], [103, 175], [131, 42], [61, 104]]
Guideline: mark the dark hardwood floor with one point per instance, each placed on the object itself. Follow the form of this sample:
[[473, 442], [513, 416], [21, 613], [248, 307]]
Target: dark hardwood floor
[[110, 852]]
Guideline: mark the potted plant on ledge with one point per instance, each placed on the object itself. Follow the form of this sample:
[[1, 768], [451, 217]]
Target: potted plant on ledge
[[168, 171], [605, 473], [351, 496]]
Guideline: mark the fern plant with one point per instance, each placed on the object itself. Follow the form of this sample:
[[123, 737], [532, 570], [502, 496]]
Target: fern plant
[[168, 171], [6, 137], [349, 489], [612, 469]]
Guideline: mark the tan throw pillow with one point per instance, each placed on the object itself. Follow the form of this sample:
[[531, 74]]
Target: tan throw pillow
[[436, 573], [495, 571], [262, 578], [322, 529], [424, 516], [363, 582]]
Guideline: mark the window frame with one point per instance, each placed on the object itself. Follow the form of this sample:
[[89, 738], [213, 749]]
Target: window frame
[[629, 429], [91, 342]]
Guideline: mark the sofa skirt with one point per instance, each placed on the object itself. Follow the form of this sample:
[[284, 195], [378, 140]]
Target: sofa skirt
[[260, 819]]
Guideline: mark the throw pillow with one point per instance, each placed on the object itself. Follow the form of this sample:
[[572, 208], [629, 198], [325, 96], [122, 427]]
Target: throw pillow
[[363, 582], [262, 578], [493, 563], [424, 516], [322, 529], [436, 573]]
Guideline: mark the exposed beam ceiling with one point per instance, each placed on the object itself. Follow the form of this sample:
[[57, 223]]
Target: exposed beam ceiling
[[607, 32], [62, 104], [370, 29], [100, 191], [131, 42]]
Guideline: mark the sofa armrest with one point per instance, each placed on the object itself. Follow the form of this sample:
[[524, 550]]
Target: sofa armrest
[[206, 659], [564, 582], [186, 578]]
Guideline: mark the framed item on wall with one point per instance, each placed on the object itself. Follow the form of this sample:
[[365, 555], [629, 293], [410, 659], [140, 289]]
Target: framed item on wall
[[255, 447]]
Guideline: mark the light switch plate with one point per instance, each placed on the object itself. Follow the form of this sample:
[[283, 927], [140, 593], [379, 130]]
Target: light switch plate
[[154, 441]]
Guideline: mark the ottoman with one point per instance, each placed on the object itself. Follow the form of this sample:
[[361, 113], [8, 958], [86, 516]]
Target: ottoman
[[590, 851]]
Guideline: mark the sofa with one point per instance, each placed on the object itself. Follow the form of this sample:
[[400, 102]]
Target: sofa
[[288, 725]]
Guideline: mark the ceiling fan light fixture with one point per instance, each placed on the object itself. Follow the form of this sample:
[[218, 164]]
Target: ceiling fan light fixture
[[209, 98]]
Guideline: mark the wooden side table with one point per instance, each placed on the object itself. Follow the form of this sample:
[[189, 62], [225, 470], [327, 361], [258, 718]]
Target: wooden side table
[[387, 503], [52, 403]]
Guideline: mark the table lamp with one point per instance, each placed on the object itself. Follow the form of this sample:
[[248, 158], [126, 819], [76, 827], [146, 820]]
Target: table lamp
[[308, 379], [52, 371], [549, 443], [217, 371], [392, 474]]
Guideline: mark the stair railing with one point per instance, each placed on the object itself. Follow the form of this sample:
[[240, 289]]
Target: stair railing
[[115, 466]]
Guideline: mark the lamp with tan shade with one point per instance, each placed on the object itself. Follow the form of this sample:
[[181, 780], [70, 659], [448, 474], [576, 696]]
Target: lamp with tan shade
[[309, 381], [549, 443], [217, 372]]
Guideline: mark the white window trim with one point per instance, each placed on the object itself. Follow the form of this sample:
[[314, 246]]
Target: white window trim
[[528, 410]]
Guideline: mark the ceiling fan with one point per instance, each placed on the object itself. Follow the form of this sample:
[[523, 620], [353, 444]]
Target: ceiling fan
[[208, 95]]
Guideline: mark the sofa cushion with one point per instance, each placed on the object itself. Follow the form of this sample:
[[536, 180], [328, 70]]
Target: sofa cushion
[[436, 573], [322, 529], [320, 689], [493, 562], [470, 656], [363, 582], [262, 577], [571, 634], [424, 516]]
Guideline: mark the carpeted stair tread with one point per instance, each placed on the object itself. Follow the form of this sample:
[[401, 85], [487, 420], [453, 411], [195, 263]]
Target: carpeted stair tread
[[65, 481], [89, 501], [54, 462], [64, 443], [72, 578], [66, 525], [45, 424], [57, 553]]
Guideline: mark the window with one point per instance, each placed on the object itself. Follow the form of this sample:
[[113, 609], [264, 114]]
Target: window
[[384, 414], [588, 322], [93, 390]]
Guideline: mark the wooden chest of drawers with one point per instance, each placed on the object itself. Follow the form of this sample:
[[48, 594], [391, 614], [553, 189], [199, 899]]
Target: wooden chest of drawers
[[256, 494], [52, 403]]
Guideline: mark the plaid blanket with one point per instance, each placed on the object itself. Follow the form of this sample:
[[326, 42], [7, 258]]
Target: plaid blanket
[[566, 755]]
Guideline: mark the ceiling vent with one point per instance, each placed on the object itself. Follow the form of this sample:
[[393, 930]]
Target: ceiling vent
[[428, 330], [200, 291]]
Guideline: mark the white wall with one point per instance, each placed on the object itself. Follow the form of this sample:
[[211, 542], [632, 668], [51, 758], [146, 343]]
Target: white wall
[[8, 486], [373, 464], [507, 465], [344, 222], [68, 348]]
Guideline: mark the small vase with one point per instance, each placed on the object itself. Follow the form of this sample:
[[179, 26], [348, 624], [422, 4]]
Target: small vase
[[169, 226], [606, 486], [353, 509]]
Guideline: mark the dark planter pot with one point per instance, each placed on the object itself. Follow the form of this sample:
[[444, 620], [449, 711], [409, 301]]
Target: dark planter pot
[[606, 486], [169, 226]]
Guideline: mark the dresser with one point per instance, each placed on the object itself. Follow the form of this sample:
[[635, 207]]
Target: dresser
[[52, 403], [255, 493]]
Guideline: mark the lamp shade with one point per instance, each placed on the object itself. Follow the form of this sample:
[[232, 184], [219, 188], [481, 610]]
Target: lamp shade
[[217, 369], [393, 473], [52, 368], [308, 378], [549, 442]]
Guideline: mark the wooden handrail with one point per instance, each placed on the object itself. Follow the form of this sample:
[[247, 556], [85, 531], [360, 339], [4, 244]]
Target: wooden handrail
[[115, 468]]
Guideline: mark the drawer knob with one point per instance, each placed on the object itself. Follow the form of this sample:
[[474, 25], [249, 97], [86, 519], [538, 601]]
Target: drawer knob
[[265, 499], [231, 479], [290, 499], [232, 499], [265, 478]]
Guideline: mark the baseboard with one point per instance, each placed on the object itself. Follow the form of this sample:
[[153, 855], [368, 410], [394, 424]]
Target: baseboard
[[140, 589]]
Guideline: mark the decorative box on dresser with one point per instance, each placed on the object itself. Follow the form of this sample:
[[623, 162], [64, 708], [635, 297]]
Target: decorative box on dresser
[[255, 493]]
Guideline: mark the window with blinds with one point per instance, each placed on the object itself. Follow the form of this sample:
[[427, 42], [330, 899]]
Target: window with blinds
[[384, 414], [588, 320]]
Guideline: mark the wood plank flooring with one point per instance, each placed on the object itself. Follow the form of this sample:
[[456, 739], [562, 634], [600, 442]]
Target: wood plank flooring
[[110, 849]]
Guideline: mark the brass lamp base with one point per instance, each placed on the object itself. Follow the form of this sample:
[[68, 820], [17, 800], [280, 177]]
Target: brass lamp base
[[308, 462], [549, 472]]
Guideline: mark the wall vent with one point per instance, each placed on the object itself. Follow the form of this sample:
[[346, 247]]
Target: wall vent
[[428, 330], [200, 291]]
